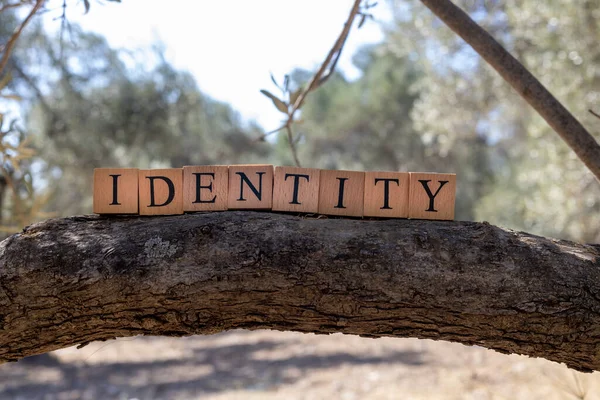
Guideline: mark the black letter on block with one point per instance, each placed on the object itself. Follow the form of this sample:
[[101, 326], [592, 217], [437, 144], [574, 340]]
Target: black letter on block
[[115, 187], [198, 186], [296, 185], [257, 193], [171, 190], [386, 191], [431, 196], [340, 203]]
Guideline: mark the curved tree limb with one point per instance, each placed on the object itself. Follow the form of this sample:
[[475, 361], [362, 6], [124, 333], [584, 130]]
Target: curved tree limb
[[75, 280], [523, 81]]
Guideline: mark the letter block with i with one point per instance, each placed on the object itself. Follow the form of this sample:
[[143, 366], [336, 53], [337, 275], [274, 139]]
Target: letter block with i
[[296, 189], [250, 187], [432, 196], [205, 188], [341, 193], [386, 194], [161, 191], [116, 190]]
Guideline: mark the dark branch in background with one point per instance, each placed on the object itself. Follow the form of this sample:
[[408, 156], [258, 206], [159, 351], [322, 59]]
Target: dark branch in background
[[8, 47], [323, 73], [523, 81]]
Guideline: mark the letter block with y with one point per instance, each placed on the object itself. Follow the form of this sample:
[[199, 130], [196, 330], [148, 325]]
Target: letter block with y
[[432, 196], [205, 188], [341, 193], [161, 191], [250, 187], [116, 190], [296, 189], [386, 194]]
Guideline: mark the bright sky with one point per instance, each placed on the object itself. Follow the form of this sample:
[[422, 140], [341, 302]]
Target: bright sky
[[230, 46]]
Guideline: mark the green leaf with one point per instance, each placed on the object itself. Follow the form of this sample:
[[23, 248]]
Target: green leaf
[[280, 105], [4, 81], [11, 97], [294, 95], [274, 81]]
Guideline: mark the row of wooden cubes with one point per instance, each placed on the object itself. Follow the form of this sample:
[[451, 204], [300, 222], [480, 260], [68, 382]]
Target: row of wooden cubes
[[263, 187]]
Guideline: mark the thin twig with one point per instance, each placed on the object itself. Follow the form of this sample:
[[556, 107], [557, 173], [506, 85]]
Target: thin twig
[[292, 144], [11, 5], [323, 73], [318, 78], [595, 114], [523, 81], [8, 47]]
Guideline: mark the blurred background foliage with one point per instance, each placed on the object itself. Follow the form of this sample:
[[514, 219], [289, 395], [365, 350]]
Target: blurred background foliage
[[424, 102]]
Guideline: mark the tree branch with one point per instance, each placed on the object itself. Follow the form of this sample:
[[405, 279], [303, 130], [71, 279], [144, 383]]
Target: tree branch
[[323, 73], [8, 47], [547, 106], [75, 280]]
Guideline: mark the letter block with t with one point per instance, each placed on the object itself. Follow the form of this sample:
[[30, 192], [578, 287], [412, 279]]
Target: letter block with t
[[116, 190], [386, 194], [341, 193], [432, 196], [250, 187], [161, 191], [296, 189], [205, 188]]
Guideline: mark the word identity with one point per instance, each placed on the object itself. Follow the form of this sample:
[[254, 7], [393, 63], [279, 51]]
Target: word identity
[[264, 187]]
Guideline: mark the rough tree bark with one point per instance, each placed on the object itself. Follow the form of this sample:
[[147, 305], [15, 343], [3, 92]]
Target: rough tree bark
[[75, 280]]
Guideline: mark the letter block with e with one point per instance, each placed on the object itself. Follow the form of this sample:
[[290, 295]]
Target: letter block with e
[[116, 190], [161, 191], [205, 188], [432, 196]]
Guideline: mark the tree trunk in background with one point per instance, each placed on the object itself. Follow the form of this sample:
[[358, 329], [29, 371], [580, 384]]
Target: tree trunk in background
[[76, 280]]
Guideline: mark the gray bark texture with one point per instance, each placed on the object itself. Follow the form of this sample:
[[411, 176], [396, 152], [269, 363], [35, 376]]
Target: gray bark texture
[[75, 280]]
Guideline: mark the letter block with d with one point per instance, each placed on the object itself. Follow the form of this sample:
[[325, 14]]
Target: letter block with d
[[205, 188], [250, 187], [432, 196], [296, 189], [116, 190], [161, 191]]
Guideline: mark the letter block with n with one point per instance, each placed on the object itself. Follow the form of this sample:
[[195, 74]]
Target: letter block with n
[[116, 190], [432, 196], [161, 191], [250, 187]]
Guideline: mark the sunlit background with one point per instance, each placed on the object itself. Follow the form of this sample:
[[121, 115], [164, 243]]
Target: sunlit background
[[173, 83]]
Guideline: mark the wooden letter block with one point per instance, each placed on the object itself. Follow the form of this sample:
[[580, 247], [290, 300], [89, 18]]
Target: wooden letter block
[[341, 193], [432, 196], [161, 191], [250, 187], [296, 189], [386, 194], [116, 190], [205, 188]]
